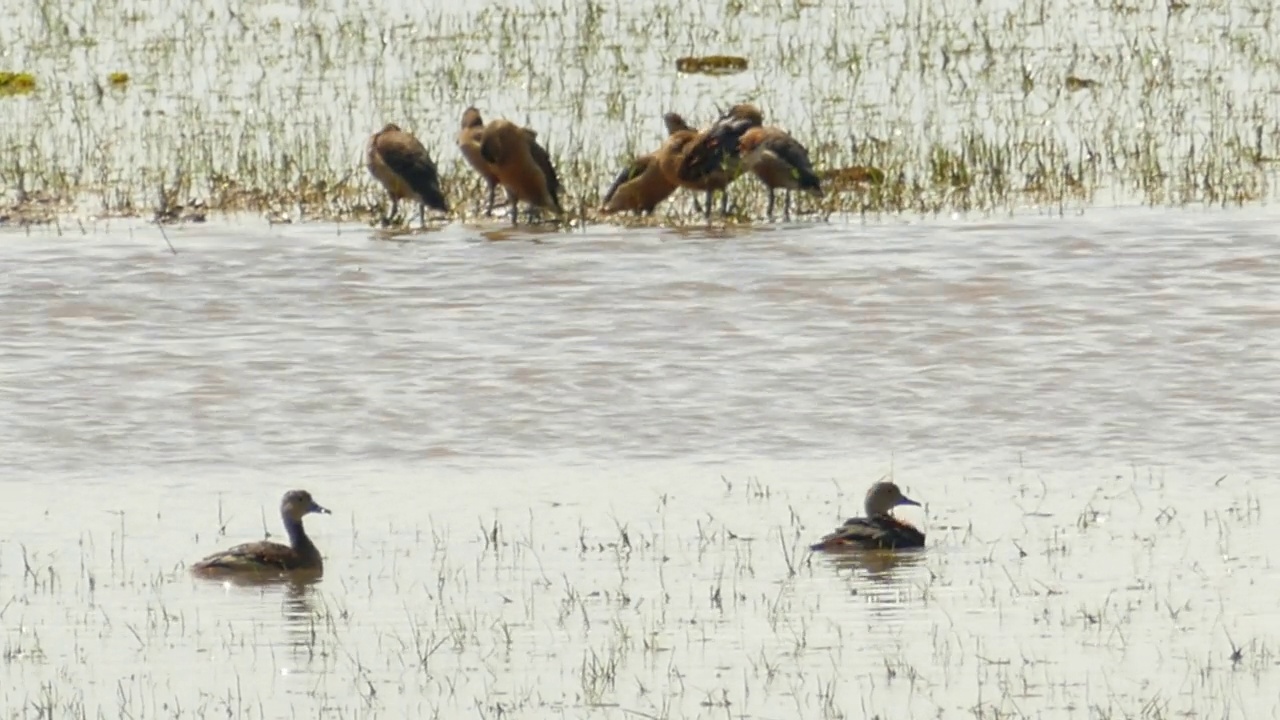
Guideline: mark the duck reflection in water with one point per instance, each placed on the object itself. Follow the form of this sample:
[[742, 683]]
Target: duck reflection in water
[[884, 568], [267, 561], [879, 530]]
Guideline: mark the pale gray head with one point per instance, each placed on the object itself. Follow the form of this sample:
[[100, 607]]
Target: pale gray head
[[883, 497], [297, 503]]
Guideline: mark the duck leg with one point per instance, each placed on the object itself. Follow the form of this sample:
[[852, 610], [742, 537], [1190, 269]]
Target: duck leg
[[769, 210], [515, 211], [724, 202], [786, 208], [493, 189]]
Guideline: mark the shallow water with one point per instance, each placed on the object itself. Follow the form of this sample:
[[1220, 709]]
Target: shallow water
[[655, 422]]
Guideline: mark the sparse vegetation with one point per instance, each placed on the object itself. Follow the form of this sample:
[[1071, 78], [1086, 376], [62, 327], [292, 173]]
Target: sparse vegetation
[[951, 108], [669, 610]]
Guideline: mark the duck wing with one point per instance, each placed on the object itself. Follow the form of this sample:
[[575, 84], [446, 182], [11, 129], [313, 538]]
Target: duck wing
[[790, 151], [409, 159], [543, 160], [260, 556], [716, 148], [877, 533], [632, 171]]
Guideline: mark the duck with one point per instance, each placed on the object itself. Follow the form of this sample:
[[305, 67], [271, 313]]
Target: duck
[[779, 161], [400, 162], [642, 184], [271, 557], [521, 165], [469, 138], [878, 530], [639, 187], [710, 161]]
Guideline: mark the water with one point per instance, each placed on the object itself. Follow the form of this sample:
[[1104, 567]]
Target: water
[[573, 475]]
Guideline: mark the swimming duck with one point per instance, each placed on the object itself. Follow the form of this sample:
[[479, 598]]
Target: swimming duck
[[405, 169], [269, 557], [879, 529]]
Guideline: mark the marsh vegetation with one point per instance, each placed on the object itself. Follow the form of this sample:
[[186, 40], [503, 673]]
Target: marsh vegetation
[[662, 610], [483, 418], [917, 107]]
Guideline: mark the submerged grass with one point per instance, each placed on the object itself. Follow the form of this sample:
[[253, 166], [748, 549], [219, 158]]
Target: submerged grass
[[949, 106], [664, 613]]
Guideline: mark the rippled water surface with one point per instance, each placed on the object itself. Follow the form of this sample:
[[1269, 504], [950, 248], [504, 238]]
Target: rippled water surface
[[574, 475]]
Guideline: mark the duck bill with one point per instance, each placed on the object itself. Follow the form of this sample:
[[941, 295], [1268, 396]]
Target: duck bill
[[908, 501], [317, 508]]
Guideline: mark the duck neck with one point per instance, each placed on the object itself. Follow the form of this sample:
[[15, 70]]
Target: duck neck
[[298, 539]]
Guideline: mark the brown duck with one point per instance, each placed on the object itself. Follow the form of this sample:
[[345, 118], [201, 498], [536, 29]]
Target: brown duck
[[879, 529], [270, 557], [709, 159], [469, 138], [642, 184], [521, 165], [780, 162], [403, 166]]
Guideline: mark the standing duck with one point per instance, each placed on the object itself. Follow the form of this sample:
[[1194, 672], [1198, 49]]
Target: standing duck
[[642, 184], [270, 557], [406, 170], [780, 162], [709, 159], [521, 165], [878, 530], [469, 137]]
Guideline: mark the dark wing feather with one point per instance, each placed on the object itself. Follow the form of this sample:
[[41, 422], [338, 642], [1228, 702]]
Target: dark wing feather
[[714, 149], [627, 174], [543, 161], [795, 155], [881, 532], [262, 556], [491, 149], [706, 155], [411, 162]]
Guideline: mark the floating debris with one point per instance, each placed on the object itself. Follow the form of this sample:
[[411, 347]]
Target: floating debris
[[118, 79], [712, 65], [1075, 83], [16, 83], [846, 178]]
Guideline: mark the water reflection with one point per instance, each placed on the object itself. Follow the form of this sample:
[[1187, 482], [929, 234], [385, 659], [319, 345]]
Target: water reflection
[[527, 232], [294, 580], [879, 566], [296, 592], [299, 611], [885, 582]]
